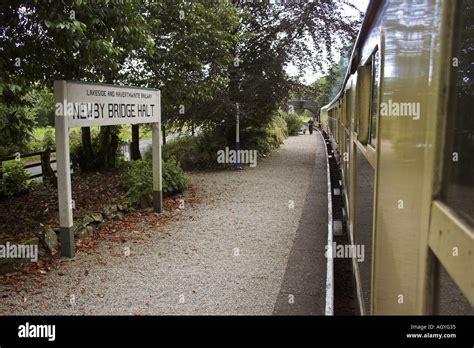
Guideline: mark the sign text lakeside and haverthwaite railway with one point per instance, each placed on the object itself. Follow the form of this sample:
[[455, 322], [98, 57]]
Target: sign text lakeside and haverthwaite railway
[[91, 105]]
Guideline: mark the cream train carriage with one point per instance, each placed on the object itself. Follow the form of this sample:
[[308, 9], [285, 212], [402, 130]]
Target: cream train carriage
[[403, 127]]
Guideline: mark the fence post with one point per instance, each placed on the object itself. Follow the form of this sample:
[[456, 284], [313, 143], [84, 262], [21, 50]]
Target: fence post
[[48, 173]]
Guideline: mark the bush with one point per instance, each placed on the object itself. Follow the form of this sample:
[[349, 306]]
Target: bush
[[294, 123], [34, 146], [49, 139], [194, 153], [265, 139], [280, 125], [174, 179], [14, 179], [200, 152], [77, 156], [137, 177], [278, 130], [184, 149]]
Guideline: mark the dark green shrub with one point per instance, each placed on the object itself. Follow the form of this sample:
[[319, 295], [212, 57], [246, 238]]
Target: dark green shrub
[[78, 158], [200, 152], [76, 154], [49, 139], [174, 179], [34, 146], [264, 140], [137, 177], [184, 149], [280, 125], [193, 153], [14, 179], [294, 123]]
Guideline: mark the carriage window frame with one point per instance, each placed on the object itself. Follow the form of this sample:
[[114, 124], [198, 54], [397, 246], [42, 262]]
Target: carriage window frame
[[456, 112], [375, 78], [364, 97], [448, 228]]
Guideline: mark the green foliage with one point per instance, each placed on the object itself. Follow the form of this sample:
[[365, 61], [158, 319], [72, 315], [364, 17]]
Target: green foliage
[[14, 179], [174, 179], [16, 125], [265, 139], [137, 177], [42, 106], [184, 149], [279, 124], [78, 156], [49, 139], [194, 153], [41, 140], [323, 87], [294, 123], [17, 121], [126, 132], [307, 114], [200, 152], [197, 41], [190, 47]]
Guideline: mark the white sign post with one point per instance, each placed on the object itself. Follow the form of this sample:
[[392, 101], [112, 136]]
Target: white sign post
[[81, 104]]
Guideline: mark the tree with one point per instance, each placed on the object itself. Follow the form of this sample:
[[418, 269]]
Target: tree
[[88, 42], [204, 56], [272, 36], [194, 49]]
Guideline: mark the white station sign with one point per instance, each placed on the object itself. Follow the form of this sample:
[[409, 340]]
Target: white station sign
[[88, 105], [81, 104]]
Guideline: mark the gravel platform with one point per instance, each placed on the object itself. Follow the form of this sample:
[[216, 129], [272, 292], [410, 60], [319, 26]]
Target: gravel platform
[[225, 255]]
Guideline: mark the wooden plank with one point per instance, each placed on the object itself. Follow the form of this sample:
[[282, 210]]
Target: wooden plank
[[452, 241]]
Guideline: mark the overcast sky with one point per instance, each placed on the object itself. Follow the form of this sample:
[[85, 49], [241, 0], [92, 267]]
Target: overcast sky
[[310, 77]]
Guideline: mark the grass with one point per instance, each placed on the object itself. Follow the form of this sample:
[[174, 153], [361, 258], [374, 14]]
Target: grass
[[125, 136], [38, 133], [26, 160], [125, 132]]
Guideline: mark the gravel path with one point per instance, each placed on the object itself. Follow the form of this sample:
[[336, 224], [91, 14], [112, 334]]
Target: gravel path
[[225, 255]]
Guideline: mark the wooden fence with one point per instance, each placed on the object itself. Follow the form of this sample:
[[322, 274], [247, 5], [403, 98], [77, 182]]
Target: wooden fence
[[44, 163]]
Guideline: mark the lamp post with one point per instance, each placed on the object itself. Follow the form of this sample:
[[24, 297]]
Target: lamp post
[[237, 140]]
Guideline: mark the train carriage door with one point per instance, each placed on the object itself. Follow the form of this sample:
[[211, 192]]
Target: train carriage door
[[363, 164], [451, 231]]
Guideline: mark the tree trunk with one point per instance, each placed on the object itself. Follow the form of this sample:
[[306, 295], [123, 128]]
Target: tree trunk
[[48, 173], [113, 146], [109, 141], [163, 132], [103, 155], [88, 152], [135, 145]]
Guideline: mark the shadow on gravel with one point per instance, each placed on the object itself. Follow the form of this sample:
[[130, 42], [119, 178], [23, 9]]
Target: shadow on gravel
[[303, 288]]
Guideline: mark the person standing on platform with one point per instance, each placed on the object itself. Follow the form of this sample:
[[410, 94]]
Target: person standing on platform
[[310, 125]]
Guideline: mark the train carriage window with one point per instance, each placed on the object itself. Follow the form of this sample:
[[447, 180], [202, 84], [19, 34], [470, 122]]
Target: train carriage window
[[363, 103], [374, 107], [459, 163]]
